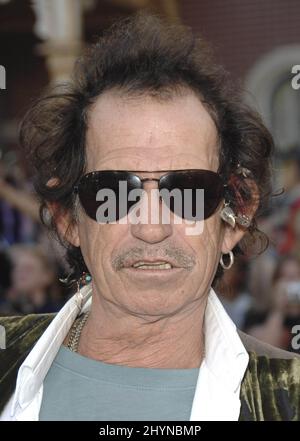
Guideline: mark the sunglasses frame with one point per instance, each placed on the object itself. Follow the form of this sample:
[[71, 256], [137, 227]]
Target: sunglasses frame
[[133, 173]]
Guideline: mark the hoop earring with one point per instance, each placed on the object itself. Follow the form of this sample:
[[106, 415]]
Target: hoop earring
[[231, 260]]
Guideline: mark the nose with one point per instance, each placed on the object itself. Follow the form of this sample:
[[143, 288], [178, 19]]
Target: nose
[[149, 226]]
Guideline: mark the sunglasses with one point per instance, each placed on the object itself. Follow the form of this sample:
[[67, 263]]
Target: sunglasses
[[179, 180]]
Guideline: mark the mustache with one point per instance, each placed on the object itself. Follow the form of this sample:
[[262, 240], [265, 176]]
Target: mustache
[[175, 255]]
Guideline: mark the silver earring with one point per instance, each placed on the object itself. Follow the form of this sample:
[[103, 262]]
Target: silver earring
[[85, 279], [243, 220], [227, 214], [231, 260], [245, 172]]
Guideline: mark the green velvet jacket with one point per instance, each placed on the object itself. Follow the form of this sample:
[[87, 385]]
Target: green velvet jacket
[[270, 390]]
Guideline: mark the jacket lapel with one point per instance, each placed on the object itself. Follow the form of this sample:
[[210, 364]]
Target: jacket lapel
[[21, 335]]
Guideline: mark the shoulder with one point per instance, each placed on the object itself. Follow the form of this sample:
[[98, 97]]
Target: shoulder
[[264, 349], [271, 385], [18, 328], [18, 336]]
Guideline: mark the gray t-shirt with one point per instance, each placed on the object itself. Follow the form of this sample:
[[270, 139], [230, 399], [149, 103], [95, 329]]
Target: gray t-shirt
[[78, 388]]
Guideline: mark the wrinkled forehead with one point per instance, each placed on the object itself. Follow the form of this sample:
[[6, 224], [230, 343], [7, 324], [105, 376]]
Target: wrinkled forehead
[[144, 133]]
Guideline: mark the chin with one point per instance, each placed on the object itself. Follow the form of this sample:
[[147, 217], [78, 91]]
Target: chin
[[152, 304]]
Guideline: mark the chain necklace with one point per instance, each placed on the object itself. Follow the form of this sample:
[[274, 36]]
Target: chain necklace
[[73, 341]]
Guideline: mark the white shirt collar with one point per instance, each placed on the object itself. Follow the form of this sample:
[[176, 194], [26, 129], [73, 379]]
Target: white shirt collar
[[220, 375], [217, 395]]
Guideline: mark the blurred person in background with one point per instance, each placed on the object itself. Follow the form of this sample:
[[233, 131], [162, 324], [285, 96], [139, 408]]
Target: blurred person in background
[[20, 221], [275, 324], [290, 242], [282, 226], [5, 281], [19, 208], [34, 286]]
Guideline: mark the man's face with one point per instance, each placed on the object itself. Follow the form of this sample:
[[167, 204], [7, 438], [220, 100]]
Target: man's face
[[147, 134], [29, 272]]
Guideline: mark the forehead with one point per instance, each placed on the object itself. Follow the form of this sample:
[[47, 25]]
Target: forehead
[[26, 256], [146, 133]]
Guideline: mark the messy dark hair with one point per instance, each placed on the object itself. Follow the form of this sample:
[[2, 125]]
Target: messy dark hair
[[144, 55]]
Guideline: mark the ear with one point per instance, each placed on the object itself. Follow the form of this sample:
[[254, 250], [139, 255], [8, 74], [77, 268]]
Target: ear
[[249, 207], [66, 227], [231, 237]]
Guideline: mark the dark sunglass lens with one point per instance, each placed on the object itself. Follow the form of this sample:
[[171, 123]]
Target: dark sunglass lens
[[186, 187], [129, 198], [104, 194]]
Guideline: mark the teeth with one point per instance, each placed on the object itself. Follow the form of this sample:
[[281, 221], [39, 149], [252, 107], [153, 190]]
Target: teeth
[[161, 267], [147, 266]]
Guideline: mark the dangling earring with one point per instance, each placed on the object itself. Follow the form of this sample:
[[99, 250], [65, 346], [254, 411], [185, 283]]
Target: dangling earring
[[227, 214], [245, 172], [85, 279], [243, 220], [231, 260]]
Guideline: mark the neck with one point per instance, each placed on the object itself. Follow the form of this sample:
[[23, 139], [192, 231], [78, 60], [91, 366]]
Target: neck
[[115, 336]]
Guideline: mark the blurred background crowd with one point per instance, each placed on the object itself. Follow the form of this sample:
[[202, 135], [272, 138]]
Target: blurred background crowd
[[257, 42]]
